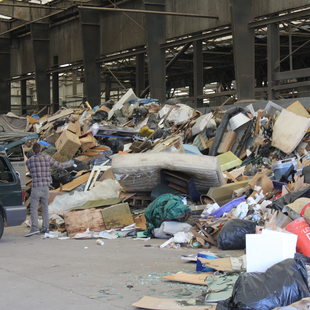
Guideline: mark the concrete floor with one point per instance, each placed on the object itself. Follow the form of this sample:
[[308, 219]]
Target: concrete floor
[[53, 274]]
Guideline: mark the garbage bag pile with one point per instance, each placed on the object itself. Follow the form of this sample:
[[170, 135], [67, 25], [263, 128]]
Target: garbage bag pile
[[230, 179]]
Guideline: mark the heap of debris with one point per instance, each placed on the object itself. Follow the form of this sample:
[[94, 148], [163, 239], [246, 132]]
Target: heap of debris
[[233, 179]]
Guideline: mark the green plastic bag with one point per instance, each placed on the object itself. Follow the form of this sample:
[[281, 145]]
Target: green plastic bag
[[166, 207]]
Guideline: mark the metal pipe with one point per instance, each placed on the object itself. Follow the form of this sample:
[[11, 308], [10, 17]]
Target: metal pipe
[[146, 12]]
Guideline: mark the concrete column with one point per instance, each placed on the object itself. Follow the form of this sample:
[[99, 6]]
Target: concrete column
[[5, 72], [243, 47], [198, 72], [155, 36], [40, 45], [140, 77], [90, 32], [273, 56]]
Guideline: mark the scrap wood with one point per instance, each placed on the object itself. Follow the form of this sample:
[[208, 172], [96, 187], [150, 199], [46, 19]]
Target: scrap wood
[[154, 303], [60, 114], [75, 183], [199, 279], [202, 234]]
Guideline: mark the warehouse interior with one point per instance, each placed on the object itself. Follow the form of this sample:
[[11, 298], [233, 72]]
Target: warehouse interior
[[155, 154], [64, 52]]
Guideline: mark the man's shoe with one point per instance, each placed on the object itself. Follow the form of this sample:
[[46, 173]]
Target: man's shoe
[[44, 231], [32, 232]]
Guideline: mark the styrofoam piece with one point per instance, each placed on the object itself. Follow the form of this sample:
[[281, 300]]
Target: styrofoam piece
[[201, 123], [237, 121], [268, 248], [130, 95]]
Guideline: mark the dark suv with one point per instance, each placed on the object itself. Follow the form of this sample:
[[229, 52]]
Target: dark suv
[[12, 211]]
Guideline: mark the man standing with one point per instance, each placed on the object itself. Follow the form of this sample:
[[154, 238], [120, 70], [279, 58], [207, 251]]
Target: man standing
[[39, 166]]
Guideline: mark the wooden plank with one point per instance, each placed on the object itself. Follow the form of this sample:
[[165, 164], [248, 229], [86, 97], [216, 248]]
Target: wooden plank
[[61, 114], [154, 303], [75, 183]]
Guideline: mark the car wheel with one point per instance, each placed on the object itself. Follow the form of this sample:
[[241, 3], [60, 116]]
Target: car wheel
[[1, 225]]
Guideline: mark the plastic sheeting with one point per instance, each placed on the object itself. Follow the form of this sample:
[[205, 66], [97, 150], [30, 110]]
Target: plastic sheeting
[[103, 190]]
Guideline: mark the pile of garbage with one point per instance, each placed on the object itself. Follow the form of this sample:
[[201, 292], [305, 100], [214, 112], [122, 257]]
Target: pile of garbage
[[235, 179]]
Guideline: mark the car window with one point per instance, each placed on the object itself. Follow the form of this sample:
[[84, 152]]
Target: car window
[[15, 153], [6, 175]]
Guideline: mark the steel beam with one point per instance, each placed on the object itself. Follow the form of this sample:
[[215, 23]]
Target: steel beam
[[198, 72], [55, 86], [243, 47], [147, 11], [292, 74], [273, 57], [280, 18], [155, 36], [24, 11], [40, 44], [140, 75], [90, 35], [23, 96], [5, 72]]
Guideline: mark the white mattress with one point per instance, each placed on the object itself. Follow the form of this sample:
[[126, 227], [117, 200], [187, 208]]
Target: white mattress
[[141, 171]]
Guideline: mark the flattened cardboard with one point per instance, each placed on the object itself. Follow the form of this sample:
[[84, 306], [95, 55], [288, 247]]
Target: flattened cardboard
[[228, 141], [117, 216], [80, 221], [199, 279], [154, 303], [298, 109], [288, 131]]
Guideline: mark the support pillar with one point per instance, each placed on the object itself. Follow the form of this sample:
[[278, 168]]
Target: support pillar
[[107, 87], [40, 46], [5, 72], [155, 36], [90, 33], [273, 56], [243, 48], [198, 72], [55, 86], [140, 77], [23, 96]]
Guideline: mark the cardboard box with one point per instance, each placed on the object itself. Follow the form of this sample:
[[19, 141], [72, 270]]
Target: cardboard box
[[75, 128], [88, 142], [60, 157], [68, 143]]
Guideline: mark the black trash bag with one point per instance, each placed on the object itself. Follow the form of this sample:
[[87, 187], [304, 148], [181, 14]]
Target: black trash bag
[[281, 285], [114, 144], [289, 198], [61, 176], [232, 235], [59, 123], [99, 116]]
